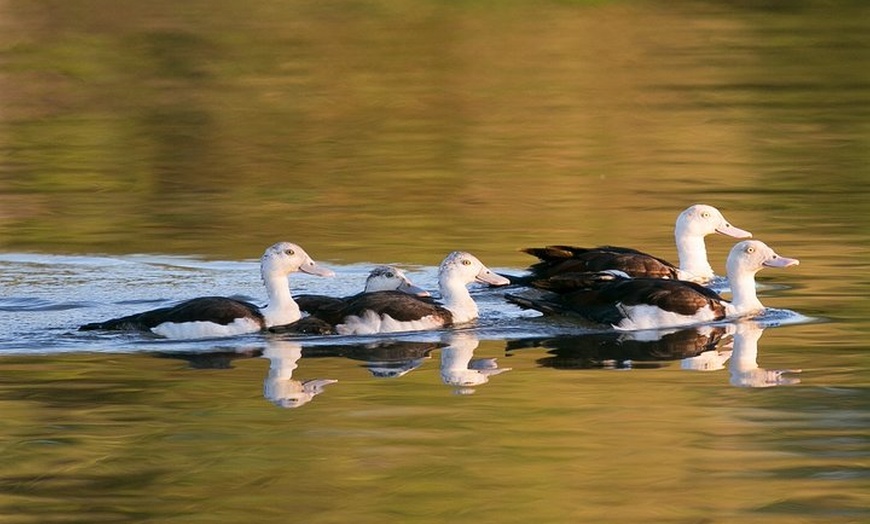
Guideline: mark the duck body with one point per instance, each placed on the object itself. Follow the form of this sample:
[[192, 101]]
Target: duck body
[[196, 318], [385, 312], [395, 311], [381, 278], [213, 316], [692, 226], [613, 298], [627, 303]]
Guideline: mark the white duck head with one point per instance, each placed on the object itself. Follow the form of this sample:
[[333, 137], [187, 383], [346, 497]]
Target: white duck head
[[693, 224], [457, 271], [284, 258], [277, 263], [389, 278], [745, 260]]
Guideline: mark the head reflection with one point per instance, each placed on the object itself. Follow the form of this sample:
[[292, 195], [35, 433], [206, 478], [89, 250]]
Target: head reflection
[[744, 368], [460, 369], [279, 387]]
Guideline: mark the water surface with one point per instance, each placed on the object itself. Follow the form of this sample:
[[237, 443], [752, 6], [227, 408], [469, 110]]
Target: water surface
[[149, 152]]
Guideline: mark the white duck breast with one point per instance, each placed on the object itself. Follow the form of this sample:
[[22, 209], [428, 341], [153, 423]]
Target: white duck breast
[[205, 317], [691, 227], [645, 303], [392, 311]]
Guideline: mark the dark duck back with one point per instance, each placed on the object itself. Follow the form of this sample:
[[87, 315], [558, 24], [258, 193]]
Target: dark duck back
[[647, 303], [691, 227]]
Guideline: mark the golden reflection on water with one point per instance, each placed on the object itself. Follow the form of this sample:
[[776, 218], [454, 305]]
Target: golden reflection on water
[[138, 435], [401, 133]]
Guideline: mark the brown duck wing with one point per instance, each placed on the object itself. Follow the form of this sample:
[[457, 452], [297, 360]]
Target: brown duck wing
[[310, 325], [311, 304], [685, 298], [561, 259], [600, 297], [220, 310], [400, 306]]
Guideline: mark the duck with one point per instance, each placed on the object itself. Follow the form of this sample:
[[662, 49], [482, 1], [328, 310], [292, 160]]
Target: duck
[[216, 316], [613, 298], [693, 224], [395, 311], [381, 278]]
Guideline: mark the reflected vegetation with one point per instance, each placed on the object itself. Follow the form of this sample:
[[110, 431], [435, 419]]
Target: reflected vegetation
[[150, 133]]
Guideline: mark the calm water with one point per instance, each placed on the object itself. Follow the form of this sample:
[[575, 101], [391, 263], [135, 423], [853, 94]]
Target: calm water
[[150, 151]]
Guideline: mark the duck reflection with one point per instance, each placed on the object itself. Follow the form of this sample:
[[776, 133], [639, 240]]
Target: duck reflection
[[624, 350], [459, 367], [383, 358], [396, 359], [218, 359], [744, 368], [280, 387]]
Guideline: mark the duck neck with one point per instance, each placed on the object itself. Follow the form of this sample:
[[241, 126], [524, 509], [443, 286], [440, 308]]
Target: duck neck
[[692, 252], [456, 358], [744, 301], [282, 309], [282, 361], [745, 354], [457, 299]]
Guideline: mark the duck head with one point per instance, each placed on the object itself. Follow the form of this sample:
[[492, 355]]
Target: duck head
[[753, 255], [702, 220], [389, 278], [466, 268], [287, 257]]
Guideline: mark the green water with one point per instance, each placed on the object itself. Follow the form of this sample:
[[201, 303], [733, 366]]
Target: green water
[[198, 133]]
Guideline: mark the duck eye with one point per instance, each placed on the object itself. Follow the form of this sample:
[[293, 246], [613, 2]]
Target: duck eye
[[289, 252]]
